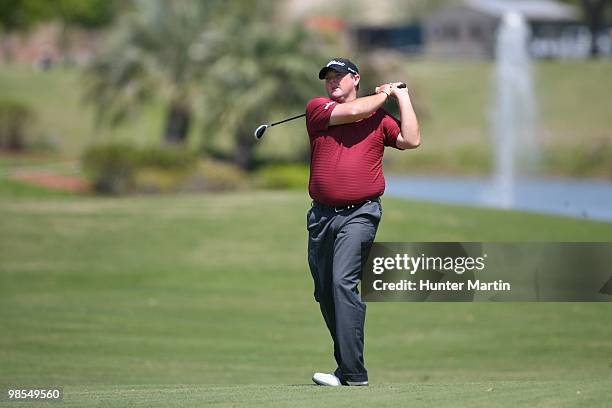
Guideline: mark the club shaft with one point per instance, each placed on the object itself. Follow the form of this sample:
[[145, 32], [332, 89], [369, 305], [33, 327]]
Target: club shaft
[[287, 120]]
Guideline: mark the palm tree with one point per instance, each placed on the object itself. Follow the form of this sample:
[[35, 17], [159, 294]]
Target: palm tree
[[234, 59], [158, 50], [265, 70]]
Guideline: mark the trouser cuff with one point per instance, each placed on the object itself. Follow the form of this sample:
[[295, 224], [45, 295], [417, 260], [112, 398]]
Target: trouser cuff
[[353, 377]]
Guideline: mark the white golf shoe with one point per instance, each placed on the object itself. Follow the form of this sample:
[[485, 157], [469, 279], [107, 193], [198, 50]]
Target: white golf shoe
[[326, 379], [331, 380]]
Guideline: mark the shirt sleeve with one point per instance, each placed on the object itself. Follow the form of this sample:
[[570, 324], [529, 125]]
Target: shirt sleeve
[[391, 130], [318, 113]]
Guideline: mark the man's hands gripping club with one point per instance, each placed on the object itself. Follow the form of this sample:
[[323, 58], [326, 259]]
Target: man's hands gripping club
[[392, 89]]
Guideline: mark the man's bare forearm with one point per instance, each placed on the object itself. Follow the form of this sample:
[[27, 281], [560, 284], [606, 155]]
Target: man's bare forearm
[[411, 137], [358, 109]]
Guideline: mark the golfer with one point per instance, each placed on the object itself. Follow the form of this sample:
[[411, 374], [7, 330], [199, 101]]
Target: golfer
[[347, 139]]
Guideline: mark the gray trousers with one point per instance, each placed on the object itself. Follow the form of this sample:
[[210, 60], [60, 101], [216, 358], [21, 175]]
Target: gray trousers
[[334, 256]]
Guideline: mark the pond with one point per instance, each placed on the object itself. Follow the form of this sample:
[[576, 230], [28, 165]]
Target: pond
[[575, 198]]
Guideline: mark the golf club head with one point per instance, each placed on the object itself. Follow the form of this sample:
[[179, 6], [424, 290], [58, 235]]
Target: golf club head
[[259, 132]]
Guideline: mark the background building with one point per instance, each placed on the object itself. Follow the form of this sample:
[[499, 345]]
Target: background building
[[467, 29]]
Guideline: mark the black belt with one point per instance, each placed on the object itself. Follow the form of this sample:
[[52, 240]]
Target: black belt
[[346, 207]]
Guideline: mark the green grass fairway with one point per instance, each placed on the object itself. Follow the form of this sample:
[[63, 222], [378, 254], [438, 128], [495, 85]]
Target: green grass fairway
[[485, 394], [197, 300]]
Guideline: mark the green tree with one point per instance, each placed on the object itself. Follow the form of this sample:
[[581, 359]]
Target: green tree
[[18, 15], [159, 50], [232, 63], [86, 13], [21, 15], [267, 70], [595, 13]]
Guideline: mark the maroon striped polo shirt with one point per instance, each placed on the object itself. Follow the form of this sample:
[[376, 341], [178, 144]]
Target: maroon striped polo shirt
[[346, 160]]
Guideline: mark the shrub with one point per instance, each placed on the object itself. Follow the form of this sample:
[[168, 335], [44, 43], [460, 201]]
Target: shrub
[[168, 158], [120, 169], [283, 176], [157, 180], [213, 175], [15, 119], [111, 167]]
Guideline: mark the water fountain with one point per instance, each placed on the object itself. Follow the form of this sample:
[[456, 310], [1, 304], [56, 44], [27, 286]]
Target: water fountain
[[514, 110]]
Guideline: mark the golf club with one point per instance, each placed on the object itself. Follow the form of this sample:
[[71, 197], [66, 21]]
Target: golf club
[[261, 129]]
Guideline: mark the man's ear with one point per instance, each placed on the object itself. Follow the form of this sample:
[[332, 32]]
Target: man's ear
[[356, 79]]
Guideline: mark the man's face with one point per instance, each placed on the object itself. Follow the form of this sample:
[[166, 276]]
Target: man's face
[[340, 85]]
